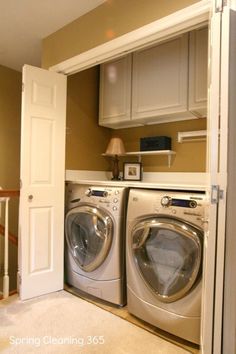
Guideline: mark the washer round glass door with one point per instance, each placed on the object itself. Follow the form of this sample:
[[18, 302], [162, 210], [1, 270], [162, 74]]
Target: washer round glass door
[[168, 254], [89, 233]]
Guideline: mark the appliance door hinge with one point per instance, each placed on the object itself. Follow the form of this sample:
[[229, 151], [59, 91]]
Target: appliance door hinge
[[216, 194], [219, 5]]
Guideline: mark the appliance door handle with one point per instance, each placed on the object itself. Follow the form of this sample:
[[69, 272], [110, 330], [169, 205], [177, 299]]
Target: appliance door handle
[[171, 226], [106, 236], [97, 231], [143, 238]]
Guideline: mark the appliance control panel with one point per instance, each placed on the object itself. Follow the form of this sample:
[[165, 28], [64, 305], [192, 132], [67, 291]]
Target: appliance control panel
[[167, 201], [110, 198], [103, 194], [187, 206]]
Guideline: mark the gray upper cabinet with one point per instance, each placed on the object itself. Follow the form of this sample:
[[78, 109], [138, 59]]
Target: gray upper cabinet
[[198, 58], [163, 83], [160, 82], [115, 93]]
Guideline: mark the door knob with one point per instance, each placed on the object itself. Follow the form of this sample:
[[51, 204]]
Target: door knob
[[30, 197]]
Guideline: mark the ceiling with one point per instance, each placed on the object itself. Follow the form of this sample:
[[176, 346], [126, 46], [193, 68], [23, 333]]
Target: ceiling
[[24, 23]]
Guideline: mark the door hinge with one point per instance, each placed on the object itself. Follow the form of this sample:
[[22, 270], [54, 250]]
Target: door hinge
[[216, 194], [219, 5], [23, 87]]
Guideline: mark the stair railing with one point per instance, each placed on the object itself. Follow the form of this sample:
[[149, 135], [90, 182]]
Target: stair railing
[[5, 196]]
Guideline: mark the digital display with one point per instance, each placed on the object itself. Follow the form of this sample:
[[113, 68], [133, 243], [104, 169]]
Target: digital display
[[183, 203], [96, 193]]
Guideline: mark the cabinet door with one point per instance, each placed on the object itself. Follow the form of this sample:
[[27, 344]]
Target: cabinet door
[[115, 92], [160, 80], [198, 54]]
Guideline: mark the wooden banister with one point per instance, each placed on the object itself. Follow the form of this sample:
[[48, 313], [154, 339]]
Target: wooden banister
[[5, 196], [9, 193], [11, 237]]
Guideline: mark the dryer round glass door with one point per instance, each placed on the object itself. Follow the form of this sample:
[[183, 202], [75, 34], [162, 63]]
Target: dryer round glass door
[[89, 233], [168, 255]]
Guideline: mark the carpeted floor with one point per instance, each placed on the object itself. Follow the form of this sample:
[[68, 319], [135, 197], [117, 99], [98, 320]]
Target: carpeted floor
[[63, 323]]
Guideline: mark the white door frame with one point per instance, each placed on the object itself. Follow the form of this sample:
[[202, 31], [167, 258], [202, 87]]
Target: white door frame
[[181, 21]]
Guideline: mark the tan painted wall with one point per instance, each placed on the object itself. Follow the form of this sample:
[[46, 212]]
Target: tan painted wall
[[85, 140], [190, 157], [10, 107], [108, 21]]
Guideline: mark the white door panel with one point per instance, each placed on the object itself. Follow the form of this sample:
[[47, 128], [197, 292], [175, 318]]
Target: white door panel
[[207, 325], [226, 224], [229, 300], [221, 60], [42, 176]]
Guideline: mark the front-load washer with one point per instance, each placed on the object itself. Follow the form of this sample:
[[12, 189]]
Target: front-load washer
[[95, 240], [165, 231]]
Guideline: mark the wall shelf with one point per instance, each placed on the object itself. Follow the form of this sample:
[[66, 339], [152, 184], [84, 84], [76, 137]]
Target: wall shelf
[[169, 153]]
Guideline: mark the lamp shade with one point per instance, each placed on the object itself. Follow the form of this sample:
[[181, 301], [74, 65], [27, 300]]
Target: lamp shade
[[115, 147]]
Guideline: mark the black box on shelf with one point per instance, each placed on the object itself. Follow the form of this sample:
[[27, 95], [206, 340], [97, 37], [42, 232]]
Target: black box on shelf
[[155, 143]]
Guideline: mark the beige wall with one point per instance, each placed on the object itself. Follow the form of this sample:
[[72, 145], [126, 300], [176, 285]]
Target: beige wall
[[190, 157], [108, 21], [85, 140], [10, 106]]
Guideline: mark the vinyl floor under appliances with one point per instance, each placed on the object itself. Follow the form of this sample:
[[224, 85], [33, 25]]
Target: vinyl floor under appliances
[[123, 313]]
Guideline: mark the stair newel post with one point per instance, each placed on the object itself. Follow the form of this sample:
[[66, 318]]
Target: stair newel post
[[6, 254]]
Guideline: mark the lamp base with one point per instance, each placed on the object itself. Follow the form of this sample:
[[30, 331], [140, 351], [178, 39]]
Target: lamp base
[[115, 170], [116, 179]]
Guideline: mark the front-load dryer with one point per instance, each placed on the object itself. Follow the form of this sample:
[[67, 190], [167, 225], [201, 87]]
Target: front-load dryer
[[94, 252], [165, 231]]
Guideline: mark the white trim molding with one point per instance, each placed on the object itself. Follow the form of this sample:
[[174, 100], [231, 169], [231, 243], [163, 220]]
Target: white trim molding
[[171, 180], [233, 5], [180, 21], [197, 135]]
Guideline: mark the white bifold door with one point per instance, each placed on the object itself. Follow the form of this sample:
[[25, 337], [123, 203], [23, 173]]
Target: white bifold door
[[225, 300], [41, 224], [221, 141]]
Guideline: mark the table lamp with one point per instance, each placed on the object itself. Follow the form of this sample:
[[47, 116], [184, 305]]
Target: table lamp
[[115, 148]]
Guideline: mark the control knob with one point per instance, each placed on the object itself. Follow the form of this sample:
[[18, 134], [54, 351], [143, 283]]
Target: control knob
[[166, 201], [88, 192], [193, 204]]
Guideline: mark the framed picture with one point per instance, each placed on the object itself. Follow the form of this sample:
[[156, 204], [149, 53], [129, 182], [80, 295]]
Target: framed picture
[[132, 171]]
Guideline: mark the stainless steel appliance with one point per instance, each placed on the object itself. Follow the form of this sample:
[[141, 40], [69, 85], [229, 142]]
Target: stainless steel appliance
[[94, 253], [165, 232]]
